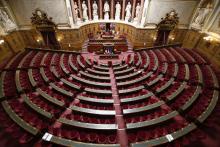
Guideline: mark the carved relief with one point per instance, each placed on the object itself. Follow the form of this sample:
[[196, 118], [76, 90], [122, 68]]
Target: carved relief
[[40, 18], [170, 21], [202, 13], [6, 23]]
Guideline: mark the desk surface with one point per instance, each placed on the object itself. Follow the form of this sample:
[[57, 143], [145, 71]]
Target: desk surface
[[70, 143], [88, 125], [50, 98], [18, 120], [92, 111]]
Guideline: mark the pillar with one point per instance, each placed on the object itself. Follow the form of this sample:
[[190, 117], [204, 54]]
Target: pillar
[[112, 9], [90, 9], [133, 10], [142, 7], [123, 10], [100, 9], [80, 9], [69, 12], [73, 11]]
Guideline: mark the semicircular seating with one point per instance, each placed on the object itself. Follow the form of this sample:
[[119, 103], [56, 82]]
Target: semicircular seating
[[149, 97]]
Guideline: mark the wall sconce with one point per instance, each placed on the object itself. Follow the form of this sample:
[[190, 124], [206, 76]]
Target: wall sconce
[[209, 39], [171, 38], [59, 39], [2, 41], [69, 45]]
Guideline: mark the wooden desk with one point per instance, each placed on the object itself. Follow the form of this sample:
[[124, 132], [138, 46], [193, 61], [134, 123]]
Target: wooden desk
[[165, 86], [44, 58], [104, 57], [50, 98], [88, 125], [2, 94], [76, 87], [214, 78], [42, 72], [155, 80], [96, 100], [200, 76], [31, 78], [17, 81], [98, 91], [192, 99], [63, 66], [91, 82], [70, 143], [137, 98], [80, 63], [105, 69], [177, 92], [93, 111], [145, 108], [152, 121], [210, 108], [120, 68], [35, 107], [129, 76], [179, 55], [131, 90], [162, 140], [71, 63], [97, 72], [101, 78], [123, 72], [127, 83], [19, 121], [139, 60], [60, 90], [148, 60]]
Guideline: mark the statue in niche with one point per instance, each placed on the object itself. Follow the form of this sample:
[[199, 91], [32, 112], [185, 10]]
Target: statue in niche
[[84, 9], [7, 24], [128, 11], [117, 11], [76, 9], [201, 16], [137, 12], [106, 10], [95, 11]]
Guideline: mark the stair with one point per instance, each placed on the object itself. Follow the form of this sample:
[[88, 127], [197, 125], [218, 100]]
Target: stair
[[122, 135]]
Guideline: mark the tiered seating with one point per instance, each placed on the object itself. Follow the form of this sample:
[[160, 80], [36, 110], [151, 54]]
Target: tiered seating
[[153, 97], [8, 86]]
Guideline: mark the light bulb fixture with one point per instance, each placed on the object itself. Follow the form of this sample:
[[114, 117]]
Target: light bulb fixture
[[2, 41]]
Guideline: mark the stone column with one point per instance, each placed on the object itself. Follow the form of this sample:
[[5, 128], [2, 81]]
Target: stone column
[[73, 11], [112, 9], [69, 12], [90, 9], [145, 12], [123, 10], [80, 9], [100, 9], [133, 10], [141, 12]]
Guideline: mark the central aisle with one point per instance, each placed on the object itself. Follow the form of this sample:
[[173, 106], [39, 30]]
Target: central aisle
[[122, 135]]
